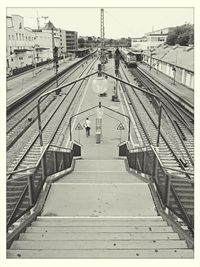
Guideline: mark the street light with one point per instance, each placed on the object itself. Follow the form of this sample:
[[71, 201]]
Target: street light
[[99, 85]]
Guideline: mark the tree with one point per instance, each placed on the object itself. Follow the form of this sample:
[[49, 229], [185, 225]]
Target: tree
[[81, 42], [182, 35]]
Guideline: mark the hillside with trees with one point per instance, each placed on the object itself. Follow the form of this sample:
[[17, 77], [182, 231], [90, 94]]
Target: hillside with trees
[[182, 35]]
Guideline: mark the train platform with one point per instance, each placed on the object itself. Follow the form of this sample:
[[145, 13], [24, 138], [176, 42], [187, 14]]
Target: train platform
[[103, 184], [187, 94], [26, 82]]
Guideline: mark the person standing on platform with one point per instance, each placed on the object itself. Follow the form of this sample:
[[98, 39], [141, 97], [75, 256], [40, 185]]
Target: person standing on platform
[[87, 127]]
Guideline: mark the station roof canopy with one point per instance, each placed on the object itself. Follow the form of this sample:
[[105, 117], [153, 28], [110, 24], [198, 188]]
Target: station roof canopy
[[42, 48], [21, 50]]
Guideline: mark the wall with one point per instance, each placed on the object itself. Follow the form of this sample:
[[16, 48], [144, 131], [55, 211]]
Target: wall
[[183, 76]]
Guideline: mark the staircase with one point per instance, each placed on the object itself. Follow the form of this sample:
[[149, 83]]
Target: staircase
[[116, 219]]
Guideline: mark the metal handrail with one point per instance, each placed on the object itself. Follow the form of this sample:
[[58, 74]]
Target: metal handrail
[[139, 164], [17, 171], [33, 194], [133, 150]]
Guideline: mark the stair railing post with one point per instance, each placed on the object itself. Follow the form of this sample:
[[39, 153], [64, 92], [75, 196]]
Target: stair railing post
[[54, 161], [31, 189], [167, 189], [159, 123], [144, 161]]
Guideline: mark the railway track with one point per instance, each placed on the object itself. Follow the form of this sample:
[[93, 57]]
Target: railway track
[[19, 120], [53, 122], [182, 119], [173, 152]]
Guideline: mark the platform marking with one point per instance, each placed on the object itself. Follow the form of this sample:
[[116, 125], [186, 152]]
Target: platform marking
[[131, 116], [80, 103], [126, 120]]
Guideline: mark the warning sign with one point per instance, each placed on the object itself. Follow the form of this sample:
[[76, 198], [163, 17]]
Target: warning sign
[[79, 127], [120, 127]]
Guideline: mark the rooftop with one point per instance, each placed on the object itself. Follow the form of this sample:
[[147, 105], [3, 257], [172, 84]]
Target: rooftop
[[182, 56]]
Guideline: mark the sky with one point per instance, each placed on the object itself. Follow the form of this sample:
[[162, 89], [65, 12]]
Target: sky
[[119, 22]]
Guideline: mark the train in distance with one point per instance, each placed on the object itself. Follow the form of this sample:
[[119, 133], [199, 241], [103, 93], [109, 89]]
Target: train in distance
[[131, 57]]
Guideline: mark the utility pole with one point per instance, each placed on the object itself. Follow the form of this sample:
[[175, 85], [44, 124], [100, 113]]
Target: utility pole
[[102, 57], [55, 56]]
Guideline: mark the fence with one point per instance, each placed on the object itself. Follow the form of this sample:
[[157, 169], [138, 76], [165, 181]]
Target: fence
[[25, 185], [146, 160]]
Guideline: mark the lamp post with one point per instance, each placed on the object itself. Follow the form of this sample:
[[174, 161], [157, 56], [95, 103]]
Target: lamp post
[[100, 86]]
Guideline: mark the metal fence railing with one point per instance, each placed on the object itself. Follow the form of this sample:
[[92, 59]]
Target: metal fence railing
[[25, 185], [146, 160]]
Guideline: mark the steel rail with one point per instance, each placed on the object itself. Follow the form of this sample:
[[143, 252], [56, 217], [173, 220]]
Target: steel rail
[[11, 142], [46, 124], [152, 120]]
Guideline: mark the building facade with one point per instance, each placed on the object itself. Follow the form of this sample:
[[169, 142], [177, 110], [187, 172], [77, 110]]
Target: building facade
[[176, 62], [20, 44], [71, 41], [28, 47], [63, 46], [151, 39]]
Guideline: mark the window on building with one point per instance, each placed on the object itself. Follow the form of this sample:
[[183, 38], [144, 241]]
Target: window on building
[[13, 37], [17, 36], [11, 59], [9, 37], [23, 37]]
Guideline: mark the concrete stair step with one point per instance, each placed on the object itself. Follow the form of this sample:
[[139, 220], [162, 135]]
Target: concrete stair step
[[98, 236], [101, 253], [99, 223], [99, 244], [91, 175], [100, 219], [101, 180], [84, 229], [100, 165]]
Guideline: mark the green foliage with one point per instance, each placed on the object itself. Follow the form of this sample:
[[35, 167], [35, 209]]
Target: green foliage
[[182, 35]]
